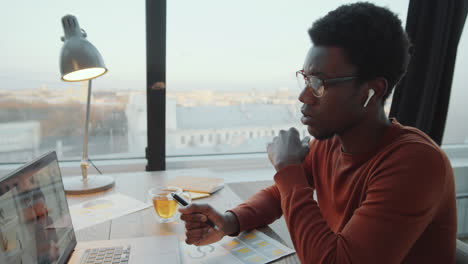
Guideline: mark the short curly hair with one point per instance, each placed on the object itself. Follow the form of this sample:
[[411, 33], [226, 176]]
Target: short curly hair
[[372, 38]]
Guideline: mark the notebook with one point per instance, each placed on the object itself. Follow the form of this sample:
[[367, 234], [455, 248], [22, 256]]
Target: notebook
[[198, 184], [36, 227]]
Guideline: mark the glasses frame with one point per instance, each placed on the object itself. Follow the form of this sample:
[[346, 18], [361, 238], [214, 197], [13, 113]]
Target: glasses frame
[[320, 90]]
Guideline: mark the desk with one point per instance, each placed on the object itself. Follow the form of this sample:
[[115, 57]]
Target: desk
[[143, 223]]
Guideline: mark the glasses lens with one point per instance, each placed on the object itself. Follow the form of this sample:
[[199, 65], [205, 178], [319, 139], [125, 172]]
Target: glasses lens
[[313, 83], [316, 86], [301, 82]]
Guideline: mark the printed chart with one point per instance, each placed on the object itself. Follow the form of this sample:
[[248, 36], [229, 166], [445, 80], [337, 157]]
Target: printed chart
[[249, 247], [102, 209]]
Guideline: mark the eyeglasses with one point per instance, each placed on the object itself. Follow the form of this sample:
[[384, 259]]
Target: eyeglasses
[[316, 84]]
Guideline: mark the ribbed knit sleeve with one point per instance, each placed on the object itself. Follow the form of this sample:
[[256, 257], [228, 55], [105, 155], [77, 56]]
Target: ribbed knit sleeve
[[261, 209]]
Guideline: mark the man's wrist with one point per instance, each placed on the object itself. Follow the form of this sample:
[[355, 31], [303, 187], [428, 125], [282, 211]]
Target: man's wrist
[[290, 177], [232, 226]]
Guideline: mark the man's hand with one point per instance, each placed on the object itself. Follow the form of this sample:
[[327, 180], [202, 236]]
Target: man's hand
[[198, 232], [287, 149]]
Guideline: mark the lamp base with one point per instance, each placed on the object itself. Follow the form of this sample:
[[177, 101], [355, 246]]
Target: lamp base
[[93, 184]]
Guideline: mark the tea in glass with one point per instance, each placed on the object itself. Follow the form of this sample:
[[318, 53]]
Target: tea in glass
[[164, 205]]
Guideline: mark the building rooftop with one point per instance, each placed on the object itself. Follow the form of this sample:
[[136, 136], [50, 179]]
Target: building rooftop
[[248, 115]]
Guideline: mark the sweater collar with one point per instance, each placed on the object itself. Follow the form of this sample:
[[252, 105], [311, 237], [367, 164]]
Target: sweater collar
[[389, 135]]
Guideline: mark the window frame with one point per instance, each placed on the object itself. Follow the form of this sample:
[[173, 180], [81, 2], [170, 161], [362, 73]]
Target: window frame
[[155, 151], [156, 25]]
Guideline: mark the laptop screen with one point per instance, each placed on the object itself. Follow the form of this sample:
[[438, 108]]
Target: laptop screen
[[35, 224]]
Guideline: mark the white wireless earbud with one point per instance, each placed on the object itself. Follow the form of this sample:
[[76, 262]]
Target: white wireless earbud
[[369, 96]]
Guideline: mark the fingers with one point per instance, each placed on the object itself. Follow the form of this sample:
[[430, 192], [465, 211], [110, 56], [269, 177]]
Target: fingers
[[291, 132], [199, 215], [305, 146], [195, 225], [192, 240], [203, 236], [294, 131], [305, 141], [195, 217], [285, 135], [269, 149], [195, 235], [196, 208], [275, 139], [196, 228]]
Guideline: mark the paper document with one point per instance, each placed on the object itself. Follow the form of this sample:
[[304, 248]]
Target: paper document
[[197, 195], [103, 209], [198, 184], [249, 247]]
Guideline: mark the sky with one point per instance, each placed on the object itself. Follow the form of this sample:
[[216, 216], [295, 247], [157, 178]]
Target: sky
[[211, 44]]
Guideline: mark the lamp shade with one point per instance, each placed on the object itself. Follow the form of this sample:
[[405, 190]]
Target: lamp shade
[[79, 59]]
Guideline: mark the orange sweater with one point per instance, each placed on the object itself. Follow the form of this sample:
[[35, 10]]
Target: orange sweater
[[395, 204]]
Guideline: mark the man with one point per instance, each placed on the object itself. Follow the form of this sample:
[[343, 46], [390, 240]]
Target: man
[[385, 192]]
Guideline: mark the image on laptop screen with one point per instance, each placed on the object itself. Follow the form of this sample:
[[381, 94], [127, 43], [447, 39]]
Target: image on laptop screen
[[35, 224]]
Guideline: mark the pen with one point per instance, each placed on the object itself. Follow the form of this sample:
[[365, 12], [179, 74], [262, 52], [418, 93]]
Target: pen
[[182, 202]]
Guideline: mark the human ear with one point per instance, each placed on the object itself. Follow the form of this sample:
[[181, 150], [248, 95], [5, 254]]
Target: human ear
[[369, 96], [377, 89]]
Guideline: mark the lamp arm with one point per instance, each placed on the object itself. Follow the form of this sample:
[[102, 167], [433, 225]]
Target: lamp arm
[[84, 159]]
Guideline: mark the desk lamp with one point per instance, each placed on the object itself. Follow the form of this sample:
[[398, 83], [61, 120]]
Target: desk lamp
[[81, 61]]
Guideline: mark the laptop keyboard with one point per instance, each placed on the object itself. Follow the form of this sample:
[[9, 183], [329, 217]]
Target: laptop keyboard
[[108, 255]]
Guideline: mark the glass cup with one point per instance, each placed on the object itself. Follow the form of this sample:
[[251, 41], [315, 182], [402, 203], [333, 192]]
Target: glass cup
[[164, 205]]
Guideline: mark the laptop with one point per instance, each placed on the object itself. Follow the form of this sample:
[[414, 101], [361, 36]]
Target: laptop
[[36, 226]]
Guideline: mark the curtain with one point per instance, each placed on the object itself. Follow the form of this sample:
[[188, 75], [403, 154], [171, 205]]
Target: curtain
[[422, 98]]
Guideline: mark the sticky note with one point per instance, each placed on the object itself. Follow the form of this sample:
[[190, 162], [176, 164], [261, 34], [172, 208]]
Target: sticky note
[[243, 250]]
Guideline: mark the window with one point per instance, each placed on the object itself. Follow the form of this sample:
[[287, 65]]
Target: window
[[456, 128], [231, 65], [39, 112], [455, 142]]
